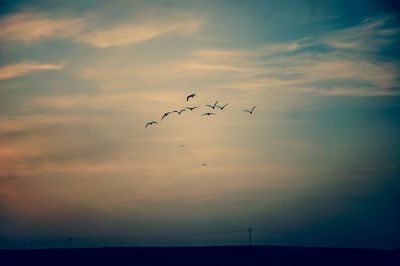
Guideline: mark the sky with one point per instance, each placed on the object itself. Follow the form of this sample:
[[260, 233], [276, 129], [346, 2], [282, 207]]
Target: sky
[[316, 164]]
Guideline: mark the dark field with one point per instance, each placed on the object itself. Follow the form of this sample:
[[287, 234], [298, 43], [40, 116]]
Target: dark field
[[230, 255]]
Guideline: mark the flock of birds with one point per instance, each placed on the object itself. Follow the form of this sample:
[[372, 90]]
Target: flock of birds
[[195, 107]]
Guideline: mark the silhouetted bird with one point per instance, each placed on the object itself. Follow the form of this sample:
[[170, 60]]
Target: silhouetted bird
[[209, 114], [190, 96], [166, 114], [179, 112], [212, 106], [222, 107], [204, 164], [151, 123], [251, 112], [192, 108], [182, 145]]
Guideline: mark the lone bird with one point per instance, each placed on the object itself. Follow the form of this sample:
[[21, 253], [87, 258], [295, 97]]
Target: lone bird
[[250, 112], [166, 114], [179, 112], [204, 164], [222, 107], [192, 108], [190, 96], [212, 106], [208, 114], [151, 123]]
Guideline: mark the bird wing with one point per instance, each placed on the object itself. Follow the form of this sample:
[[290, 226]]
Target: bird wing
[[209, 105], [246, 111], [215, 103], [253, 108], [224, 106], [147, 124], [190, 96]]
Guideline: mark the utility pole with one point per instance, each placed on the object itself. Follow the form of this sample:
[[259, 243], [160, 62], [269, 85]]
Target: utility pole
[[250, 236], [70, 242]]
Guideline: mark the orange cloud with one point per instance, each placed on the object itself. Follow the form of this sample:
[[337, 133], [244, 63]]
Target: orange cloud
[[31, 27], [16, 70], [129, 34]]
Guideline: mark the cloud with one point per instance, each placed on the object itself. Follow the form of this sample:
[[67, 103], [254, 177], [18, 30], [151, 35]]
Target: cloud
[[246, 61], [24, 68], [33, 27], [219, 53], [232, 54], [326, 74], [214, 67], [370, 35], [306, 65], [140, 32]]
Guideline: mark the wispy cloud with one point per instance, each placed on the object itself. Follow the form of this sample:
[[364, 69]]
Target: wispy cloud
[[251, 61], [370, 35], [303, 65], [232, 54], [306, 65], [329, 73], [138, 32], [32, 27], [24, 68]]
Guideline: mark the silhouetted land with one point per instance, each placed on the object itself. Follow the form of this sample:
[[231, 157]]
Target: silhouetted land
[[230, 255]]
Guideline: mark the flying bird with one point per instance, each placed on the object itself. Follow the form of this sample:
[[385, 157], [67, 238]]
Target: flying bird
[[212, 106], [179, 112], [182, 145], [151, 123], [166, 114], [190, 96], [204, 164], [209, 114], [222, 107], [192, 108], [250, 112]]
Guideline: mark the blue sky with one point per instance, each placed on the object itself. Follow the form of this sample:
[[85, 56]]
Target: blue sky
[[79, 81]]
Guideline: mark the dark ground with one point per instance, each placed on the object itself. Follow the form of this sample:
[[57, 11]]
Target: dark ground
[[230, 255]]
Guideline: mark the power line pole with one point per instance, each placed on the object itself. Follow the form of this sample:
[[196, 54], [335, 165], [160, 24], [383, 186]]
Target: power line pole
[[250, 236]]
